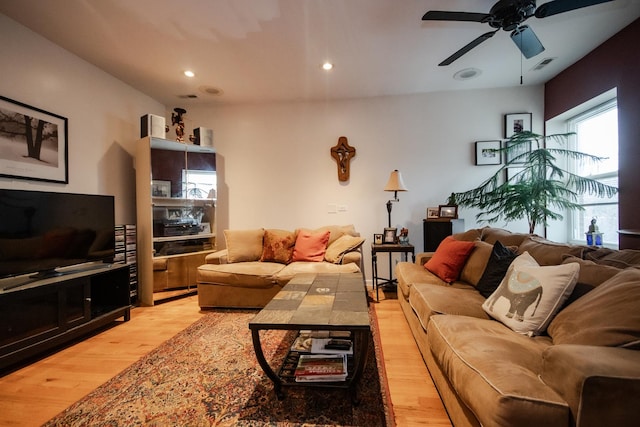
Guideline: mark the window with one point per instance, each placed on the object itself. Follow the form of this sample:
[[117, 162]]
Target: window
[[596, 133]]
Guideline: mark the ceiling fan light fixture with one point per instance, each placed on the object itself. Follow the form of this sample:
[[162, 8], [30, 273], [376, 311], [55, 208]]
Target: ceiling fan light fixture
[[467, 74]]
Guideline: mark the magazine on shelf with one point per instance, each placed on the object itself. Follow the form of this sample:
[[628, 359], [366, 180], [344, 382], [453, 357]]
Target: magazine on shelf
[[321, 367]]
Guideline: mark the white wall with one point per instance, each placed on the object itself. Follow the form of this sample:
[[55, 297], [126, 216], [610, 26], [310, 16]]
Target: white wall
[[103, 114], [274, 163], [275, 169]]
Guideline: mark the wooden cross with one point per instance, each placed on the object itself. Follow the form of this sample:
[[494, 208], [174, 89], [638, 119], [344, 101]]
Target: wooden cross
[[342, 152]]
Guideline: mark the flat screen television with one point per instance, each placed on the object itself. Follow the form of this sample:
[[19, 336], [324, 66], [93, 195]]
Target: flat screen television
[[43, 231]]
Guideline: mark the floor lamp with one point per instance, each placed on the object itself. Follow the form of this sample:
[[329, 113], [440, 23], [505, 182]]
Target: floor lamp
[[394, 184]]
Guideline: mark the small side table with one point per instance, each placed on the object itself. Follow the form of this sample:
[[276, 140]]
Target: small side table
[[390, 249]]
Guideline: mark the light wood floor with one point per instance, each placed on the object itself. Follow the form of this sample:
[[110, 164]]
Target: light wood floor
[[34, 394]]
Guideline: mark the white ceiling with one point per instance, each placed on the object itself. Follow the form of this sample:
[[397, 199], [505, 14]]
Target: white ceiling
[[271, 50]]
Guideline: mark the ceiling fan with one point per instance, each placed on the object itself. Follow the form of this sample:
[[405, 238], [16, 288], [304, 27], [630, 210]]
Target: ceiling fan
[[509, 15]]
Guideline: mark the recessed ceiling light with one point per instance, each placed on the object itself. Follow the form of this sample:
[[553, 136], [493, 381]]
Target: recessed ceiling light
[[189, 73], [467, 74], [327, 66]]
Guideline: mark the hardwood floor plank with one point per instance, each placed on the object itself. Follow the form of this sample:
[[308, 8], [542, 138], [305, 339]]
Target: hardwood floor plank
[[35, 393]]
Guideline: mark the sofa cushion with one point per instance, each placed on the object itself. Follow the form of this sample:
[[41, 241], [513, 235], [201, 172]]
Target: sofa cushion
[[546, 252], [409, 273], [591, 275], [449, 258], [492, 235], [494, 371], [499, 261], [244, 245], [468, 236], [337, 249], [476, 263], [606, 316], [621, 259], [310, 246], [427, 300], [300, 267], [336, 231], [249, 274], [277, 246], [530, 295]]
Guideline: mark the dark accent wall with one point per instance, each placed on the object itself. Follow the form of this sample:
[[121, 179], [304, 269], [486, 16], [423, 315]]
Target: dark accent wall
[[615, 63]]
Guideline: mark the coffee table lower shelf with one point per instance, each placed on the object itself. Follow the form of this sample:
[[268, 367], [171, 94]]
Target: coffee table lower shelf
[[286, 378]]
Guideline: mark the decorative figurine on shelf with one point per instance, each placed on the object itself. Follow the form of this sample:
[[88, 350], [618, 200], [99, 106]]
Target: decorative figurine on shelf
[[403, 239], [177, 119], [594, 237]]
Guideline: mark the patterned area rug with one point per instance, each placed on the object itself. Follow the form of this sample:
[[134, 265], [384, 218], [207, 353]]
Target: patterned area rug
[[207, 375]]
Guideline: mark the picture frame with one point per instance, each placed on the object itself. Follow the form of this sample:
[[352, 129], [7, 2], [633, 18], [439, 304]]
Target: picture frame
[[448, 211], [511, 155], [160, 188], [377, 239], [512, 172], [488, 153], [174, 213], [515, 123], [433, 213], [389, 236], [38, 151]]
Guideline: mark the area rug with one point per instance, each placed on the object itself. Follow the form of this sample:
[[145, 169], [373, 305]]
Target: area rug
[[207, 375]]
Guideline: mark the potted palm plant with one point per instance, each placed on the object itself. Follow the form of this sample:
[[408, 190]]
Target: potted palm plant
[[540, 190]]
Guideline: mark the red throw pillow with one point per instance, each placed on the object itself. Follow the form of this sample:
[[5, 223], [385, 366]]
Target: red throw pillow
[[310, 246], [449, 258]]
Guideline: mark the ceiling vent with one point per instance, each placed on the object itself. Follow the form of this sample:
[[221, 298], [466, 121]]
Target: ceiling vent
[[211, 90], [188, 96], [540, 65]]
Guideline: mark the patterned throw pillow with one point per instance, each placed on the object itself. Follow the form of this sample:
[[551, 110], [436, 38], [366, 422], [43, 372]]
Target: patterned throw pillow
[[277, 246], [529, 296]]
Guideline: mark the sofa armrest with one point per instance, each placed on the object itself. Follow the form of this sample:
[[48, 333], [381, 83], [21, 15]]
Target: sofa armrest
[[423, 257], [218, 257], [600, 384]]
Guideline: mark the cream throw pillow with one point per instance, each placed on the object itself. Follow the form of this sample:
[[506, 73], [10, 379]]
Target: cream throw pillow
[[529, 296], [341, 246], [244, 245]]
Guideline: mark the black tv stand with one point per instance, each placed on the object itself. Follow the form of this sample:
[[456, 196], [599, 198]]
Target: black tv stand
[[41, 314]]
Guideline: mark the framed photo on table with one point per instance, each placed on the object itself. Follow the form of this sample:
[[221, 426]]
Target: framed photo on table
[[448, 211], [487, 153], [389, 236], [433, 213], [516, 123], [377, 239]]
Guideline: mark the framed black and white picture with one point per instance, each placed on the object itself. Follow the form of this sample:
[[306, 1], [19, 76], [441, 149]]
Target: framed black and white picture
[[160, 188], [515, 153], [516, 123], [433, 213], [488, 153], [33, 143]]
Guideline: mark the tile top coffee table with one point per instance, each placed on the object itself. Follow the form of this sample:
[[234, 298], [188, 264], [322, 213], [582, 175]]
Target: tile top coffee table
[[318, 302]]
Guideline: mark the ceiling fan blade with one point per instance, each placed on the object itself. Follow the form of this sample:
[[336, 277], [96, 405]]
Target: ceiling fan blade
[[561, 6], [527, 41], [436, 15], [467, 48]]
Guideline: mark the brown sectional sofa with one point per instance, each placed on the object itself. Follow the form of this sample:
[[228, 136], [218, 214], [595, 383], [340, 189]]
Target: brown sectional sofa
[[583, 371], [248, 274]]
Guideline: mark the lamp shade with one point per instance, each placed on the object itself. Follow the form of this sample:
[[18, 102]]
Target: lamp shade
[[395, 182]]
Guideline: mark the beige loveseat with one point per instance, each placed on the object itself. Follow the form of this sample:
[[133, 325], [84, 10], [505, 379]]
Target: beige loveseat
[[257, 263], [581, 369]]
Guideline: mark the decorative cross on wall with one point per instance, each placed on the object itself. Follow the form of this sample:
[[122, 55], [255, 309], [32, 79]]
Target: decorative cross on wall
[[342, 152]]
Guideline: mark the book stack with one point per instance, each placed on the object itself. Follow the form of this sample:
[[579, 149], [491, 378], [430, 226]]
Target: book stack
[[321, 368]]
